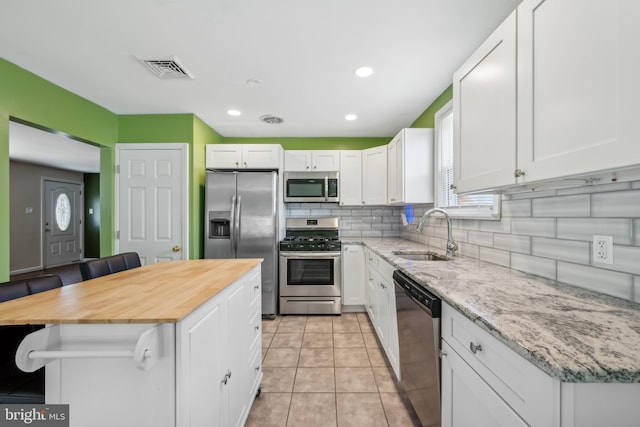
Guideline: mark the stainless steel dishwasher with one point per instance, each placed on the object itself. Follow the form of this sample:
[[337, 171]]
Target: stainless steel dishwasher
[[418, 313]]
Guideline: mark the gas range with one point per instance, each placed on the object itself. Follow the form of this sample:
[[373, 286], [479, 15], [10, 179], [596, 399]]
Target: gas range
[[310, 267], [311, 235], [310, 243]]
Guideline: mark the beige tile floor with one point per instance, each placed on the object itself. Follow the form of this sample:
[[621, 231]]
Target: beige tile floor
[[326, 371]]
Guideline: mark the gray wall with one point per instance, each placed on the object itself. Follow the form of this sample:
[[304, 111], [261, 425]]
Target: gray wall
[[549, 234], [26, 192]]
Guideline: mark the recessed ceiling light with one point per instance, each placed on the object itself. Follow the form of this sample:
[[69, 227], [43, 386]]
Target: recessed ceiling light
[[234, 112], [350, 117], [363, 71]]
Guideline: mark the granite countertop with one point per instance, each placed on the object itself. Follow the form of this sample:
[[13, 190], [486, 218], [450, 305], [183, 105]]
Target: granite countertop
[[572, 334]]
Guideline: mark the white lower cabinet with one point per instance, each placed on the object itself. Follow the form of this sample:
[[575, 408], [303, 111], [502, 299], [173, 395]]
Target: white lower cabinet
[[353, 274], [381, 306], [214, 364], [467, 400], [484, 383]]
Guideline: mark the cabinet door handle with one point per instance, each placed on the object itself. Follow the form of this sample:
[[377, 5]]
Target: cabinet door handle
[[474, 348], [518, 173], [257, 327]]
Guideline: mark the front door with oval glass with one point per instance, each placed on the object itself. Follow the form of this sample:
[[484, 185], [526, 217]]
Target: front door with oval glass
[[62, 223]]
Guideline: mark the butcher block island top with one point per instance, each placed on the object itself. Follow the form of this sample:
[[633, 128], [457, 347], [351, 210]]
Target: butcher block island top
[[165, 292]]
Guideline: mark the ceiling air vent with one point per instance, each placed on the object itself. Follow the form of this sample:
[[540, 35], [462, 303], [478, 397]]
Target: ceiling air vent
[[272, 120], [165, 68]]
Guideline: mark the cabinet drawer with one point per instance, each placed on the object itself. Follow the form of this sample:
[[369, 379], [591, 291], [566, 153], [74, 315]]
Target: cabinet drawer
[[255, 333], [255, 373], [527, 389], [254, 291]]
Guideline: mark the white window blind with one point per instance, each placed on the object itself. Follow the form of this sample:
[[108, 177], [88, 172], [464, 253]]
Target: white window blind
[[464, 205]]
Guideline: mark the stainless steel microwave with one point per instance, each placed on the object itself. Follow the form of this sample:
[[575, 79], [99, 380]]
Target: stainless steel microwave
[[311, 187]]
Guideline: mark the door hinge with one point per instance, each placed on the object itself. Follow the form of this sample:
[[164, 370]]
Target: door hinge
[[117, 168], [118, 234]]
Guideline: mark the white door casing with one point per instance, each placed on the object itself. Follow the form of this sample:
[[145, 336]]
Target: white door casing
[[62, 221], [152, 201]]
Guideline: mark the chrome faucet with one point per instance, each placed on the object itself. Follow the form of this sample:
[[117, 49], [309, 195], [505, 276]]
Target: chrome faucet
[[452, 246]]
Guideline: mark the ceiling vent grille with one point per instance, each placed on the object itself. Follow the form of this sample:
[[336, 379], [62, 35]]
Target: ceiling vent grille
[[167, 68], [272, 120]]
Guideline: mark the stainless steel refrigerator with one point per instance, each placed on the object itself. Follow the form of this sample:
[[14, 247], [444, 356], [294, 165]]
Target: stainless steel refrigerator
[[241, 221]]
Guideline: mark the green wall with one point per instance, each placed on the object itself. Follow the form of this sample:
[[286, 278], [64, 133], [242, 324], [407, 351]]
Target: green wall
[[426, 119], [27, 98]]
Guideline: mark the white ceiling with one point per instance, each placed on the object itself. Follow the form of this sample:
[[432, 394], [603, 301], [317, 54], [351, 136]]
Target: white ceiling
[[304, 53]]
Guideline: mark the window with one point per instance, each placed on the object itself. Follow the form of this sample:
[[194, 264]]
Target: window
[[485, 206]]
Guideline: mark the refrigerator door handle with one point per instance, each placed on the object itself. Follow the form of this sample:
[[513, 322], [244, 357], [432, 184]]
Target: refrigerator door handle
[[237, 223], [232, 233]]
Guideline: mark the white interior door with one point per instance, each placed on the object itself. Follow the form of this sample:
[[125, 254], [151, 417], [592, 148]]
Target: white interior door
[[62, 222], [152, 201]]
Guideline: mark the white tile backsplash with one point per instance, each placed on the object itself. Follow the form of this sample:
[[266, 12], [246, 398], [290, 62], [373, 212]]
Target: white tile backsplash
[[604, 281], [564, 250], [585, 228], [495, 256], [512, 243], [355, 221], [543, 227], [619, 204], [567, 206], [481, 238], [534, 265], [549, 233], [514, 208]]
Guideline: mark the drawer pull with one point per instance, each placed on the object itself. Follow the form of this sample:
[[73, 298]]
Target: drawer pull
[[475, 348]]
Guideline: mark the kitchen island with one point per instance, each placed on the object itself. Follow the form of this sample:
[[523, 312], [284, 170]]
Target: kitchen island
[[585, 345], [169, 344]]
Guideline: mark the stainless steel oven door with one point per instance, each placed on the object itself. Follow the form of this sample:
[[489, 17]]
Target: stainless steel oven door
[[310, 274]]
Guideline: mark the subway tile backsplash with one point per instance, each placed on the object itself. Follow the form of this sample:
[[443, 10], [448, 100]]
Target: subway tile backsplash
[[355, 221], [549, 234]]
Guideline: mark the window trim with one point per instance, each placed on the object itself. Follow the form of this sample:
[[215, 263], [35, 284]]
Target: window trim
[[484, 212]]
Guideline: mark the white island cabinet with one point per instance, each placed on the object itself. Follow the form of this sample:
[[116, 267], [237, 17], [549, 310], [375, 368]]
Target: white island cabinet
[[173, 344]]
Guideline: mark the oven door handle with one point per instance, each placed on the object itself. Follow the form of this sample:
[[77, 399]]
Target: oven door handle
[[310, 254]]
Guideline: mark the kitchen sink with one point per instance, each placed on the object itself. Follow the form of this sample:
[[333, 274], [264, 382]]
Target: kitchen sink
[[421, 256]]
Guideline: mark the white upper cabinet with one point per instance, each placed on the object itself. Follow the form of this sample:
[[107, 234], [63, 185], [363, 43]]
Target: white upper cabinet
[[317, 160], [374, 176], [564, 105], [243, 156], [350, 178], [578, 87], [410, 167], [484, 113]]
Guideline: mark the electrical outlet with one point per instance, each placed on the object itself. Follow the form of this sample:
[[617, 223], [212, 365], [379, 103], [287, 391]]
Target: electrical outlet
[[603, 249]]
